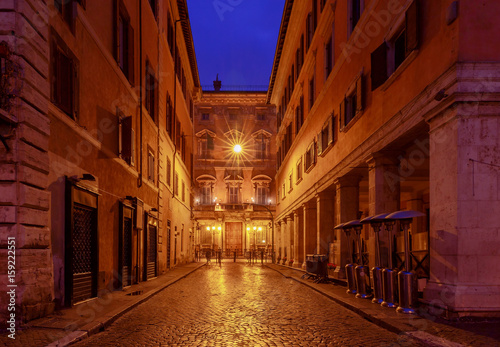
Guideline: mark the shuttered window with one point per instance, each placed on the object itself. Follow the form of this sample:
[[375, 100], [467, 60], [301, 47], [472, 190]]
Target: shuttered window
[[386, 59], [64, 80], [124, 41]]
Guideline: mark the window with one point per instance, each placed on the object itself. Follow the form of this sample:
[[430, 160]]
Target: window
[[151, 84], [176, 184], [169, 171], [261, 117], [298, 170], [183, 191], [205, 116], [261, 195], [297, 63], [290, 181], [126, 139], [170, 34], [329, 54], [261, 143], [151, 166], [67, 10], [233, 116], [311, 93], [352, 104], [279, 195], [169, 116], [64, 81], [355, 10], [233, 194], [309, 30], [326, 136], [283, 191], [310, 156], [299, 115], [124, 50], [152, 3], [206, 195], [390, 55], [205, 145]]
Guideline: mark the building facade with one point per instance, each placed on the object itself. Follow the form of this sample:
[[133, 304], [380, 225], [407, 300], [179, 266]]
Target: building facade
[[97, 164], [387, 106], [234, 200]]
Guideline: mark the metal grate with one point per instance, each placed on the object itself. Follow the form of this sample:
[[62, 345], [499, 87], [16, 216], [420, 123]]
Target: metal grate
[[84, 255], [83, 240], [151, 252], [127, 251]]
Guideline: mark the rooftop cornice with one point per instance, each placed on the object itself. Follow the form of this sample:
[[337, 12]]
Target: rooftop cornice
[[287, 11]]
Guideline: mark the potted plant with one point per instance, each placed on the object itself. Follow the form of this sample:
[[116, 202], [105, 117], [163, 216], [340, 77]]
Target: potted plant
[[290, 263], [284, 260]]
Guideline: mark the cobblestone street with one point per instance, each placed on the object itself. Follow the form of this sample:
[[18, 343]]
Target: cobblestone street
[[242, 305]]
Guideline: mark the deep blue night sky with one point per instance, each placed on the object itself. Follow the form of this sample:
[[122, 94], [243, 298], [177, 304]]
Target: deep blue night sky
[[235, 38]]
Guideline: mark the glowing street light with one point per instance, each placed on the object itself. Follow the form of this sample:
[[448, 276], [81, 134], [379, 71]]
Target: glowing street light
[[237, 148]]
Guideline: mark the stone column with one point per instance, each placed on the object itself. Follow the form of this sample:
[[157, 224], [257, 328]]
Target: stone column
[[24, 167], [297, 239], [283, 237], [309, 229], [289, 235], [346, 209], [325, 202], [465, 201], [383, 196]]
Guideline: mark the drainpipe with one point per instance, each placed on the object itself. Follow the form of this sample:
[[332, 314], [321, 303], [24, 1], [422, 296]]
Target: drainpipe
[[139, 182]]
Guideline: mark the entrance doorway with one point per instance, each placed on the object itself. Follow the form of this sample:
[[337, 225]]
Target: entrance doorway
[[234, 236]]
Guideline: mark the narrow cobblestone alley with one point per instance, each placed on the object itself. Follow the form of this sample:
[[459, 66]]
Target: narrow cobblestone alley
[[239, 304]]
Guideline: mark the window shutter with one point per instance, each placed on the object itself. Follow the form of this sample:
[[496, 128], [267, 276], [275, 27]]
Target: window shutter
[[330, 130], [379, 66], [126, 139], [342, 115], [412, 27], [359, 94], [116, 9], [320, 142], [131, 65], [210, 142]]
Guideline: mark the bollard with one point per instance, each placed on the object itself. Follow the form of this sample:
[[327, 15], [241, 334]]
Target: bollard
[[407, 279]]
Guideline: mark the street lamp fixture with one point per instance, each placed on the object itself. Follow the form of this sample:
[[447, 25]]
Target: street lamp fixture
[[237, 148]]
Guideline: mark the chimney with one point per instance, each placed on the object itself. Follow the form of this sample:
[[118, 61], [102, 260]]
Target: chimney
[[217, 84]]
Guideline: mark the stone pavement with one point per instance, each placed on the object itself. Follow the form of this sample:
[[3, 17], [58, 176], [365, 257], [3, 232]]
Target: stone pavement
[[66, 326], [239, 304], [429, 330], [243, 305]]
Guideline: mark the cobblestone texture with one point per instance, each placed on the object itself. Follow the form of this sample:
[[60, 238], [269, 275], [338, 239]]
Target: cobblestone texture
[[242, 305]]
